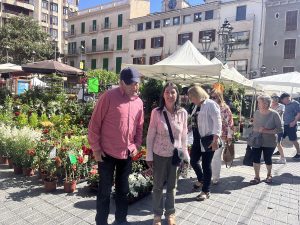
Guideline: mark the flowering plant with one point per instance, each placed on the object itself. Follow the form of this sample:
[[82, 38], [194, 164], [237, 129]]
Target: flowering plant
[[139, 184]]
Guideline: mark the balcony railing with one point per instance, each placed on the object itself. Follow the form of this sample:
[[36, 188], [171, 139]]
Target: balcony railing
[[93, 29], [99, 49], [72, 52], [106, 26], [72, 33]]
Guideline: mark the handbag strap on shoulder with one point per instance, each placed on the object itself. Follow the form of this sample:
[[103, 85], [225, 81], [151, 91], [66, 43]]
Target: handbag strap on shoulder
[[169, 127]]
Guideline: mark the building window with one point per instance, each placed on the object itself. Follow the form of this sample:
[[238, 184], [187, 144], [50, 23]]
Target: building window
[[176, 20], [72, 63], [120, 20], [187, 19], [105, 64], [154, 59], [148, 25], [197, 17], [210, 33], [287, 69], [65, 10], [83, 27], [53, 33], [167, 22], [93, 64], [53, 7], [72, 48], [139, 60], [139, 44], [82, 46], [140, 26], [157, 24], [45, 4], [182, 38], [209, 15], [157, 42], [119, 42], [241, 39], [118, 64], [240, 65], [106, 43], [291, 20], [53, 20], [94, 26], [94, 45], [72, 29], [44, 17], [106, 23], [241, 13], [289, 48]]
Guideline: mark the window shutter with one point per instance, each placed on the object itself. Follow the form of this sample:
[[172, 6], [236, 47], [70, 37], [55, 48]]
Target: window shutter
[[161, 41], [143, 43], [135, 44], [179, 39], [152, 43]]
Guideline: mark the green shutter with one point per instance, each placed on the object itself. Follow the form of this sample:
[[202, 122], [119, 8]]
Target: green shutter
[[105, 63], [106, 43], [120, 20], [93, 64], [118, 64], [72, 29], [94, 25], [94, 44], [83, 27], [119, 42]]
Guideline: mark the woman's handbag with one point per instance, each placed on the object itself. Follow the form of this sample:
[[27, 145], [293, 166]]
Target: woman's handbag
[[228, 154], [255, 139], [248, 158], [177, 153]]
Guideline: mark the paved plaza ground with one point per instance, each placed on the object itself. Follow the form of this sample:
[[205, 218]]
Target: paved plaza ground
[[233, 201]]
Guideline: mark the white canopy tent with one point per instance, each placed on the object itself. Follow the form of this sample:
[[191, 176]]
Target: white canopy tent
[[37, 82], [9, 67], [185, 66], [286, 82]]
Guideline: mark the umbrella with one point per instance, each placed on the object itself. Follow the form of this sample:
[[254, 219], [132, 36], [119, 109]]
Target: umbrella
[[51, 66], [9, 67]]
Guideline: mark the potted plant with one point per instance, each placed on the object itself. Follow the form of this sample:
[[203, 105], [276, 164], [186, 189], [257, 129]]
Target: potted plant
[[50, 180], [29, 162]]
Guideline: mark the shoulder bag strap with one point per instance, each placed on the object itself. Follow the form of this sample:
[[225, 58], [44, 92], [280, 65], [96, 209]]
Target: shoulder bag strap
[[169, 127]]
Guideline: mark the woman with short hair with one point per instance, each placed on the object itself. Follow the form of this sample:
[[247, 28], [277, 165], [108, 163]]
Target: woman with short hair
[[207, 131], [267, 122]]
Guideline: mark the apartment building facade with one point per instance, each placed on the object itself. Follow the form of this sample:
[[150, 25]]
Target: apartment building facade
[[52, 15], [155, 36], [98, 37], [282, 37]]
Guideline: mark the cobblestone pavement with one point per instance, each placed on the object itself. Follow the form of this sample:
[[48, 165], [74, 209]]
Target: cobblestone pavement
[[233, 201]]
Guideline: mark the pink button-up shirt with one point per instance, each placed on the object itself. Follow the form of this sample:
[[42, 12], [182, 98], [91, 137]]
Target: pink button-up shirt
[[116, 125], [158, 139]]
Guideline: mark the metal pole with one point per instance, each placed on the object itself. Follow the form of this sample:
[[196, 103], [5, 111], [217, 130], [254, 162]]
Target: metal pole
[[55, 50]]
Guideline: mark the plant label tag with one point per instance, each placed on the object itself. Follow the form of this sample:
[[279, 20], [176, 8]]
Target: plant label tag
[[85, 159], [53, 153], [73, 159]]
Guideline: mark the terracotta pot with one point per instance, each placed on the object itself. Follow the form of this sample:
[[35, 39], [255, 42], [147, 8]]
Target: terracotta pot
[[50, 186], [10, 163], [18, 170], [70, 186], [28, 172], [4, 160]]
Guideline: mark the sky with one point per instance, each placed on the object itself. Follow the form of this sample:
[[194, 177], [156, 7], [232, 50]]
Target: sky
[[155, 4]]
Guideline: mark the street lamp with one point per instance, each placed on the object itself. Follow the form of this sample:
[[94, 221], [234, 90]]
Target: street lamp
[[33, 54], [205, 42], [7, 48], [274, 71], [263, 71], [226, 40]]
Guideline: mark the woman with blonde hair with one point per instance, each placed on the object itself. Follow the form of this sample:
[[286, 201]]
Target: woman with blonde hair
[[227, 132], [206, 123]]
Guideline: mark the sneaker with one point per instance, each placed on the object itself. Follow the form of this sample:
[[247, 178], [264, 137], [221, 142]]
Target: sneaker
[[297, 156], [203, 196], [215, 181], [281, 161], [276, 153]]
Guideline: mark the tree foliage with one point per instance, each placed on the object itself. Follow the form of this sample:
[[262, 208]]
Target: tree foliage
[[106, 78], [25, 40]]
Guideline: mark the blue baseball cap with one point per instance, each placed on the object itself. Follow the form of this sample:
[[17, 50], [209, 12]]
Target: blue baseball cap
[[130, 75]]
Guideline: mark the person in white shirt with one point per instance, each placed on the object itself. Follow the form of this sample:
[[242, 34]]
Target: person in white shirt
[[209, 126]]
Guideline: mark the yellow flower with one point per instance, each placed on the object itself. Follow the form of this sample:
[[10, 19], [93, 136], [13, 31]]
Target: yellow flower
[[47, 124]]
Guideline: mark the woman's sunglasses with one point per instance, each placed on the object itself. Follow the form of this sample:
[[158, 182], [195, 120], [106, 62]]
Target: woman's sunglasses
[[213, 97]]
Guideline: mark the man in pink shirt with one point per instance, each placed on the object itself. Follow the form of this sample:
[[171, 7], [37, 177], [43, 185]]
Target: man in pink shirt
[[115, 134]]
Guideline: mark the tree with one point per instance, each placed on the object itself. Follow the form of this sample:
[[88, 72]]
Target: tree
[[24, 40]]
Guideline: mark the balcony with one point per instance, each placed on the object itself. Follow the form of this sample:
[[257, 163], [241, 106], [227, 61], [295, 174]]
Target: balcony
[[94, 29], [72, 52], [26, 4], [106, 26], [100, 49], [71, 33]]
